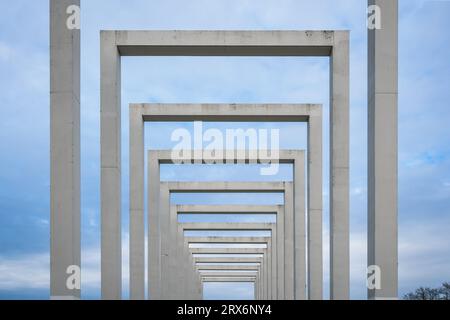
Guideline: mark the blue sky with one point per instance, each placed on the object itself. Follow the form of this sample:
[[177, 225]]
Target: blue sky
[[424, 149]]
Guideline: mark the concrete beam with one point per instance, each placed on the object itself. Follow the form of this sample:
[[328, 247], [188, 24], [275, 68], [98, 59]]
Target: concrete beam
[[240, 240], [227, 260], [227, 267], [227, 209], [230, 274], [225, 43], [226, 112], [227, 250], [226, 226], [227, 279]]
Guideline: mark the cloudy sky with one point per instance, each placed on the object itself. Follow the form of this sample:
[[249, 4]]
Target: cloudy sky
[[424, 131]]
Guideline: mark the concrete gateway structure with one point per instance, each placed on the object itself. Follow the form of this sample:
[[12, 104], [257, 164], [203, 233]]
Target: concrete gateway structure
[[295, 236], [287, 250], [382, 159]]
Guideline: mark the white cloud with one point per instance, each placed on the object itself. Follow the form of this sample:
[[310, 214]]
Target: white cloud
[[25, 271], [32, 271]]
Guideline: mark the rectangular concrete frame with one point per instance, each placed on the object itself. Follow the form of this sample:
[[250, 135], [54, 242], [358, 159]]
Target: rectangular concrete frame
[[285, 187], [258, 267], [218, 209], [267, 278], [295, 157], [382, 240], [231, 260], [243, 240], [173, 219], [312, 114], [335, 44], [278, 233], [278, 246], [65, 218], [271, 248], [267, 275], [262, 288], [265, 287]]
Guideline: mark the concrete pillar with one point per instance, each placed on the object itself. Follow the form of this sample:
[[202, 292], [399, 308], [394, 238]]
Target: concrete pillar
[[137, 229], [175, 263], [299, 228], [274, 262], [339, 174], [258, 281], [263, 278], [266, 275], [64, 149], [280, 254], [382, 149], [164, 212], [315, 243], [184, 267], [110, 132], [289, 252], [154, 239]]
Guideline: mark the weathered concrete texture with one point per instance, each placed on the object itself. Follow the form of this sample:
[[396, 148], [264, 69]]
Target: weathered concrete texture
[[314, 211], [226, 112], [110, 133], [64, 149], [154, 237], [339, 171], [137, 227], [383, 149], [227, 267]]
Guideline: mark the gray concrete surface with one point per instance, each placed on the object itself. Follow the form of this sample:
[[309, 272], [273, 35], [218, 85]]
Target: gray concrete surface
[[65, 216], [382, 241]]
